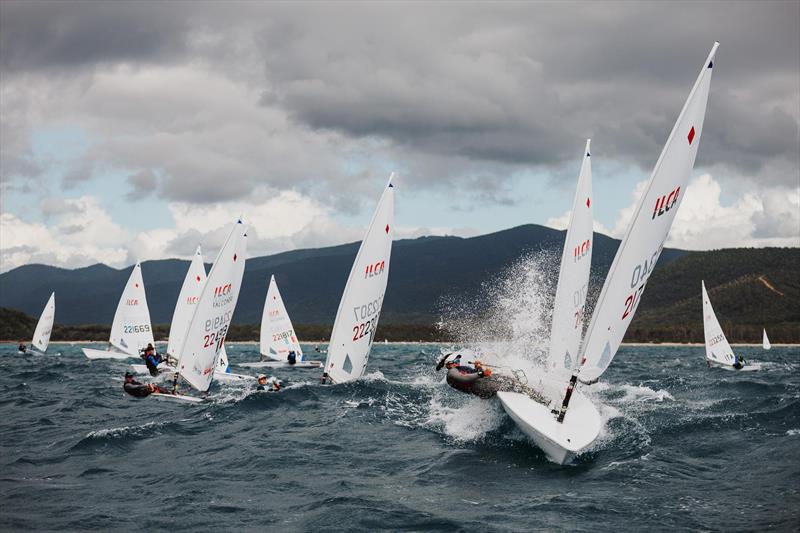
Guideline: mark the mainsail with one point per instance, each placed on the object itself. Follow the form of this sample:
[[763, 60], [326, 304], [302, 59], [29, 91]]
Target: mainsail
[[648, 230], [717, 348], [573, 281], [131, 330], [213, 313], [765, 341], [278, 337], [41, 335], [360, 306], [192, 286]]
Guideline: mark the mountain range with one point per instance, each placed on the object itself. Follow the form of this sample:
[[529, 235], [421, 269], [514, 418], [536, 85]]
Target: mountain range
[[748, 287]]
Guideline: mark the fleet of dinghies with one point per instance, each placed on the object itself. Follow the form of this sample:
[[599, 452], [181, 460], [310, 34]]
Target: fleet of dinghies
[[554, 413]]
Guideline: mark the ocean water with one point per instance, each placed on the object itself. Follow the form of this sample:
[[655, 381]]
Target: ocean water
[[683, 448]]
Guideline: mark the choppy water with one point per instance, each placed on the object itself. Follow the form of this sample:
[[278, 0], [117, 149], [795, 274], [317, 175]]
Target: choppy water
[[684, 448]]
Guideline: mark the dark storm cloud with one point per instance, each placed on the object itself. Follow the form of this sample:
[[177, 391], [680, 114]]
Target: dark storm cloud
[[464, 93]]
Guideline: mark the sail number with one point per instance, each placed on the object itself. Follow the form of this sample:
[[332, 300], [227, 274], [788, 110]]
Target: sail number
[[282, 335], [215, 338], [364, 312], [137, 328], [632, 301], [365, 328], [715, 339]]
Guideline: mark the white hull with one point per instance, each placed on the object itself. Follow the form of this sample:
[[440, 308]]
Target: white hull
[[143, 371], [177, 397], [281, 364], [105, 354], [230, 377], [749, 367], [561, 442]]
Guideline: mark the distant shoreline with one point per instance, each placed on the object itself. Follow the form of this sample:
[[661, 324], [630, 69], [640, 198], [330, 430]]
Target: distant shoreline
[[655, 344]]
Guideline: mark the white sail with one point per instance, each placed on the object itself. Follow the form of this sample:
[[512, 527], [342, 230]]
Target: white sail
[[278, 337], [192, 286], [360, 306], [648, 230], [131, 330], [717, 348], [213, 313], [222, 361], [41, 335], [765, 341], [573, 280]]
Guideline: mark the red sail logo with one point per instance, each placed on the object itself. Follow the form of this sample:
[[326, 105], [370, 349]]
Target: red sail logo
[[374, 269], [665, 203]]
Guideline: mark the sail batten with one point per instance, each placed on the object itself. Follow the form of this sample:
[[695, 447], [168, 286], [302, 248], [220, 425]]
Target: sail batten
[[647, 232], [362, 300]]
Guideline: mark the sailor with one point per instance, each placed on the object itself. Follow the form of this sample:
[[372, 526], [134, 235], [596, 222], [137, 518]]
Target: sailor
[[738, 363], [22, 347], [292, 357], [139, 390], [263, 385], [151, 359]]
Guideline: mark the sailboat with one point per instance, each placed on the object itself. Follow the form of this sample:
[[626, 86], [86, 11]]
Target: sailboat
[[360, 306], [131, 330], [205, 335], [41, 335], [188, 297], [566, 432], [565, 334], [718, 351], [765, 341], [278, 337]]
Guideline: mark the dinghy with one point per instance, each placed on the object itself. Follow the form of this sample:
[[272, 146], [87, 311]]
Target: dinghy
[[765, 341], [533, 416], [223, 374], [360, 306], [205, 334], [719, 353], [41, 335], [278, 337], [562, 433], [131, 330]]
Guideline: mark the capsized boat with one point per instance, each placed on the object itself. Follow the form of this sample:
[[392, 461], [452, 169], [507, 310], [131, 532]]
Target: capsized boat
[[362, 300], [131, 330], [278, 338], [205, 336], [562, 433], [718, 351], [535, 414], [44, 327]]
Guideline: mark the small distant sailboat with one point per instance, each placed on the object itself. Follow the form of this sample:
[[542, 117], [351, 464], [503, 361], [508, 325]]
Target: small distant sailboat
[[41, 335], [278, 338], [565, 432], [718, 351], [131, 330], [765, 341], [362, 300], [198, 359]]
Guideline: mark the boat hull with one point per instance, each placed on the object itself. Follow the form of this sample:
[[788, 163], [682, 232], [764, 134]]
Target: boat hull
[[281, 364], [749, 367], [561, 442], [105, 354], [177, 397]]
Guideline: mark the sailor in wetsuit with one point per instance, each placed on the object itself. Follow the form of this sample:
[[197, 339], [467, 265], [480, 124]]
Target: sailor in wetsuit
[[292, 357], [738, 362], [22, 348], [273, 385], [151, 359], [139, 390]]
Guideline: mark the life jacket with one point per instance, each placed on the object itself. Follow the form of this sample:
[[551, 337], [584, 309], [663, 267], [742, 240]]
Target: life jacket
[[292, 358]]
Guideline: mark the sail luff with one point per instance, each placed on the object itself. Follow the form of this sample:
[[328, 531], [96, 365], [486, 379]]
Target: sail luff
[[644, 238]]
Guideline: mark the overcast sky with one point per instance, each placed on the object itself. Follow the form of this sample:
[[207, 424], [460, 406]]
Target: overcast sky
[[133, 131]]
